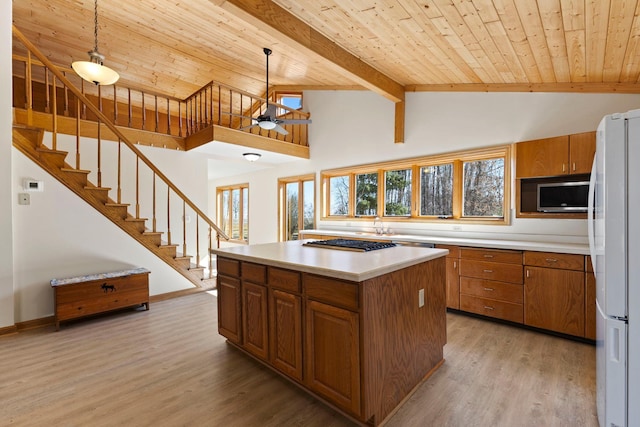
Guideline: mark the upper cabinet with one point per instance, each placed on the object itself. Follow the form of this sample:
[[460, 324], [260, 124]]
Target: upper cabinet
[[561, 155]]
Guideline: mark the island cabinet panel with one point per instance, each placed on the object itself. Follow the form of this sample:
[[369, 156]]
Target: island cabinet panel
[[255, 320], [332, 291], [333, 355], [453, 276], [229, 308], [255, 273], [554, 300], [402, 341], [285, 332]]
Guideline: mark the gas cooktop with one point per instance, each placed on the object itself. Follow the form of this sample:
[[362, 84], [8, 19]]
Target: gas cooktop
[[350, 245]]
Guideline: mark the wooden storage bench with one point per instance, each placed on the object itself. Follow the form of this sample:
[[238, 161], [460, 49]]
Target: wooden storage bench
[[98, 293]]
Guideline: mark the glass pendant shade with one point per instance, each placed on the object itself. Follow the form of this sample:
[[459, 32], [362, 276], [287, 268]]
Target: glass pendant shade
[[93, 71], [267, 124], [252, 157]]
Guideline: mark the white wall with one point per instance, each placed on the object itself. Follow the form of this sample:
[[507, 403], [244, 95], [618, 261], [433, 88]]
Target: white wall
[[353, 128], [60, 235], [6, 196]]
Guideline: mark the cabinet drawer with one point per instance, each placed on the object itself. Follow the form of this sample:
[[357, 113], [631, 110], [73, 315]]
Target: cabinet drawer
[[491, 270], [493, 255], [286, 280], [331, 291], [494, 290], [554, 260], [492, 308], [229, 267], [255, 273], [454, 251]]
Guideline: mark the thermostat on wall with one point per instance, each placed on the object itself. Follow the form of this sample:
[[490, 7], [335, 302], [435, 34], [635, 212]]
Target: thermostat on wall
[[33, 185]]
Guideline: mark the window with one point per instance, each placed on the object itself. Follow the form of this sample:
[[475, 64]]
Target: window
[[292, 100], [339, 195], [483, 188], [462, 186], [233, 211], [367, 194], [397, 192], [297, 206], [436, 190]]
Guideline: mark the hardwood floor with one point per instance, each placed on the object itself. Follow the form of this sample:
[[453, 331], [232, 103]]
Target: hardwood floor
[[169, 367]]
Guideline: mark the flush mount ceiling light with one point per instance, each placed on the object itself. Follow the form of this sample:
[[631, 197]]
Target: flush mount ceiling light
[[252, 157], [92, 70]]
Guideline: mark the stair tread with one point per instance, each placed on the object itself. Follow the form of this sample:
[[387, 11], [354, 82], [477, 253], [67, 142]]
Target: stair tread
[[87, 187], [75, 170], [152, 233], [117, 204], [168, 246], [135, 219], [49, 150]]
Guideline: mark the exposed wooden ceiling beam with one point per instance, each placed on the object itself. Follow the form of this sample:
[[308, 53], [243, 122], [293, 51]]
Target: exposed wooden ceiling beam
[[281, 24], [529, 87]]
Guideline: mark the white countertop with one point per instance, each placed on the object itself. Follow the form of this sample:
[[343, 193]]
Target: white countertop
[[566, 248], [341, 264]]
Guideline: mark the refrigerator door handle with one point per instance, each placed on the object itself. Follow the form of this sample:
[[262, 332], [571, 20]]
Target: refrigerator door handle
[[590, 214]]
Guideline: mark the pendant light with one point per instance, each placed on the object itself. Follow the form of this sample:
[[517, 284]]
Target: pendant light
[[93, 71]]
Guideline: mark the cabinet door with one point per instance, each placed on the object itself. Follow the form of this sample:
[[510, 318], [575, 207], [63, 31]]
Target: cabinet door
[[332, 358], [590, 306], [285, 326], [254, 319], [229, 308], [582, 149], [453, 283], [542, 157], [554, 300]]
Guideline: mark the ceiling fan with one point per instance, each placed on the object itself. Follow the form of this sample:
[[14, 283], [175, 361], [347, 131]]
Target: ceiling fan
[[268, 120]]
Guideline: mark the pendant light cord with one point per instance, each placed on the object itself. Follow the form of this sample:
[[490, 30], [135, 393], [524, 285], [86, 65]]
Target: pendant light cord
[[95, 28]]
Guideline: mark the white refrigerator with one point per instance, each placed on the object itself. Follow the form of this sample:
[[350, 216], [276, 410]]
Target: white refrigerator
[[614, 240]]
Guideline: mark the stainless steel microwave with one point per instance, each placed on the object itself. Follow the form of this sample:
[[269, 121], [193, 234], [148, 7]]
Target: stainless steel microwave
[[563, 196]]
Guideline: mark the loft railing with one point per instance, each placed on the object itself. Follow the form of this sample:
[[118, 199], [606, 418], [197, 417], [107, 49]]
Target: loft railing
[[222, 105], [214, 104], [166, 201]]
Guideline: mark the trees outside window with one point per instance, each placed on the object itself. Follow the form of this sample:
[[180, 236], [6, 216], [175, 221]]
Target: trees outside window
[[436, 190], [339, 195], [297, 206], [233, 211], [367, 194], [397, 192], [483, 188]]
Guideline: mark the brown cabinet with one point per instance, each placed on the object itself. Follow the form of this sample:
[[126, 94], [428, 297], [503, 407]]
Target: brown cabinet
[[255, 320], [285, 322], [229, 320], [554, 298], [589, 300], [561, 155], [491, 283], [453, 276], [333, 354]]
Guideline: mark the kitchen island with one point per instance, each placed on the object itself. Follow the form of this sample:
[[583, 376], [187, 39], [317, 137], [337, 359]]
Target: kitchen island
[[359, 330]]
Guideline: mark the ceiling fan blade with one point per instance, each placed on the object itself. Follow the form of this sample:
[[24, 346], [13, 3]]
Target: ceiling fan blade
[[249, 127], [280, 129], [271, 111], [294, 121]]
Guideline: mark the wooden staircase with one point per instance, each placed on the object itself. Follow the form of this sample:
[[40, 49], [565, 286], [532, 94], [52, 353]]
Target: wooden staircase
[[30, 142]]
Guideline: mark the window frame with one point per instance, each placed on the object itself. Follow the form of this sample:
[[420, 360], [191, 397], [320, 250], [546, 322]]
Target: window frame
[[243, 226], [457, 159], [282, 203]]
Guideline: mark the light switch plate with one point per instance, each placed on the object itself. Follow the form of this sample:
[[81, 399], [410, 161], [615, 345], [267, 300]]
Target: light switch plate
[[24, 198], [421, 298]]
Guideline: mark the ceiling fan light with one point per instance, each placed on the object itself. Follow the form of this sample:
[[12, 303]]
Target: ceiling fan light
[[267, 124], [252, 157], [93, 71]]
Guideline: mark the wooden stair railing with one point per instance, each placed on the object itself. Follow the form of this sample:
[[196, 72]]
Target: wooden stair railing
[[30, 142]]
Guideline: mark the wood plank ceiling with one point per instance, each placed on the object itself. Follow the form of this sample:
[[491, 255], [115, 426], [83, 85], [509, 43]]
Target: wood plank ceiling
[[176, 47]]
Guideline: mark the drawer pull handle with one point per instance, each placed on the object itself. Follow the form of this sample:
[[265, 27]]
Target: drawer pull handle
[[528, 274], [488, 256], [488, 271], [489, 289], [108, 288], [486, 307], [455, 264], [551, 260]]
